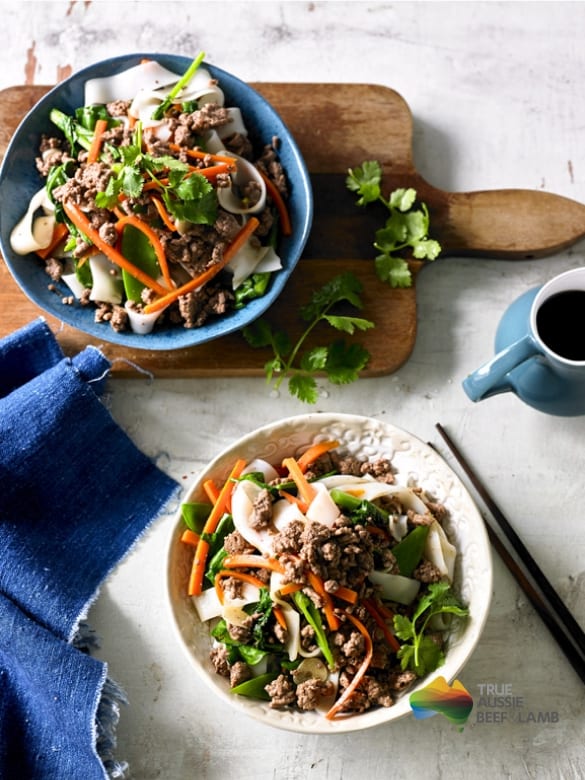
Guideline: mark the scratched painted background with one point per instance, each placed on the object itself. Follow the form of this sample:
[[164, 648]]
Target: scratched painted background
[[496, 90]]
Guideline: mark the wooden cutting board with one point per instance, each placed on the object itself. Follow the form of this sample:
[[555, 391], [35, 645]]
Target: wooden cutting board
[[337, 126]]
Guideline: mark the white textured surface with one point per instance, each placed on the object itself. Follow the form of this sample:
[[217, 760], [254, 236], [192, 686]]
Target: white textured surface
[[496, 90]]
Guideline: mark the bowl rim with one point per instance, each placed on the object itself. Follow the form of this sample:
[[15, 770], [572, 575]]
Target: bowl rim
[[374, 717], [169, 338]]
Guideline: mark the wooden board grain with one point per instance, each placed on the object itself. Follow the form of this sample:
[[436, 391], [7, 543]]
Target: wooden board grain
[[337, 126], [331, 138]]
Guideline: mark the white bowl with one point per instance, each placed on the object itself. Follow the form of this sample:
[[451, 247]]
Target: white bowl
[[416, 463]]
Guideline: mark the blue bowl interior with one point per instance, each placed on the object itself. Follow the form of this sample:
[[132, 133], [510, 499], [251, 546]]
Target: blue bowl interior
[[19, 180]]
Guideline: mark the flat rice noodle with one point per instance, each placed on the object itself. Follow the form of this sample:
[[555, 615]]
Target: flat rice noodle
[[107, 281], [322, 508], [229, 197], [395, 587], [243, 499], [439, 550], [32, 232], [149, 75]]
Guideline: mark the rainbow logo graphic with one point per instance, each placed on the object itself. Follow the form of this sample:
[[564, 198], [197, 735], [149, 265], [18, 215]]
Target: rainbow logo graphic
[[452, 701]]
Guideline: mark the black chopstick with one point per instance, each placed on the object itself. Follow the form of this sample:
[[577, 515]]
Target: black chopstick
[[552, 610]]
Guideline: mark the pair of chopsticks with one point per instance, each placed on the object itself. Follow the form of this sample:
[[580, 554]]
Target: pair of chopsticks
[[543, 597]]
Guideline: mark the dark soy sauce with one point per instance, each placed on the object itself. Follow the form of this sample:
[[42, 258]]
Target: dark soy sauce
[[560, 323]]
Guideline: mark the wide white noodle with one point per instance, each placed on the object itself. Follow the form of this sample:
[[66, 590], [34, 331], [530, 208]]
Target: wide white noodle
[[34, 232]]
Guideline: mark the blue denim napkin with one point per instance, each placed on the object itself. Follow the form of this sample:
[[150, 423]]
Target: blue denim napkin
[[75, 494]]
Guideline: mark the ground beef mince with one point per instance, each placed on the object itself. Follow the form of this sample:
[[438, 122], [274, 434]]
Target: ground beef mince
[[310, 693], [328, 567], [343, 554], [282, 692], [190, 248]]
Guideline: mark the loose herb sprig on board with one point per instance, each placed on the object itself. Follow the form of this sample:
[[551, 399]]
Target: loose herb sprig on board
[[340, 362], [407, 227]]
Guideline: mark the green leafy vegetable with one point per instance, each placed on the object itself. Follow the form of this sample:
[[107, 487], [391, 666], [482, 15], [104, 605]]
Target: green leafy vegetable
[[405, 228], [313, 618], [341, 363], [419, 652], [187, 195], [359, 510], [409, 550], [137, 248], [194, 514], [254, 688]]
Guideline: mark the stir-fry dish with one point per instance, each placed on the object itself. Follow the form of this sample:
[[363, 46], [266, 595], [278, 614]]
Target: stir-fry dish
[[156, 207], [326, 585]]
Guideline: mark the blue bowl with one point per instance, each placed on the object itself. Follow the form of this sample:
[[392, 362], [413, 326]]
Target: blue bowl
[[19, 180]]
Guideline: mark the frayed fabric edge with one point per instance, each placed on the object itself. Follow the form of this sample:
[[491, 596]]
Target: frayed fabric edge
[[109, 698]]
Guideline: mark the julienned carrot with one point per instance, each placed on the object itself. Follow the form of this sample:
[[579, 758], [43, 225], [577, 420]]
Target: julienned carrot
[[203, 278], [98, 138], [306, 490], [302, 505], [317, 584], [217, 511], [190, 537], [198, 154], [346, 594], [358, 676], [290, 587], [237, 575], [211, 490], [252, 561], [381, 623], [82, 223], [278, 613], [164, 214], [139, 224], [281, 207], [60, 230], [315, 451], [212, 171]]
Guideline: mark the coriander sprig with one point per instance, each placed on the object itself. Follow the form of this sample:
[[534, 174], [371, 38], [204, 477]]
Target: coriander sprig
[[340, 362], [419, 652], [405, 228]]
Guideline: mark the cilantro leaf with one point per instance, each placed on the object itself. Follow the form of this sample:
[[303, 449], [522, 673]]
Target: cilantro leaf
[[339, 362], [406, 227], [365, 180], [419, 652]]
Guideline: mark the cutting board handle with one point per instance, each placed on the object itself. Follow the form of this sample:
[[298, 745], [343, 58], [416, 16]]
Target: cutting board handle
[[509, 224]]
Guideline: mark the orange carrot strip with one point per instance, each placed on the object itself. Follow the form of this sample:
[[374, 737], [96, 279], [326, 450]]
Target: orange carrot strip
[[83, 224], [358, 676], [164, 214], [346, 594], [217, 511], [211, 490], [211, 171], [237, 575], [306, 490], [279, 615], [139, 224], [317, 584], [60, 230], [281, 206], [203, 278], [290, 587], [381, 623], [190, 537], [252, 561], [201, 155], [302, 505], [384, 610], [98, 138], [315, 451]]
